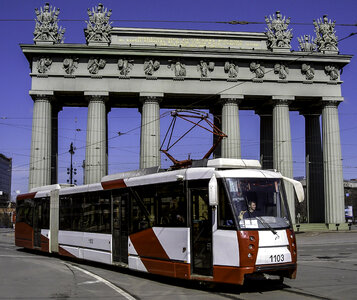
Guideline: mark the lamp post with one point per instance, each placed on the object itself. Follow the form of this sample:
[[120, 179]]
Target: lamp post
[[71, 171]]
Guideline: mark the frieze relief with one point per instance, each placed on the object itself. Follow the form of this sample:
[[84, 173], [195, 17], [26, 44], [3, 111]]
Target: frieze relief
[[44, 64], [257, 69], [70, 64], [95, 64], [150, 67], [205, 68], [281, 70], [333, 72], [125, 66], [308, 71], [178, 68], [232, 70]]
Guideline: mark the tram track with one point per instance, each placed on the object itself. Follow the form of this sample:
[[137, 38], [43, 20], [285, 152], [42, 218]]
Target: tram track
[[288, 290], [305, 294]]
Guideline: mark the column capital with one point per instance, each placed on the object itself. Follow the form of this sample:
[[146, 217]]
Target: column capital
[[285, 100], [331, 101], [96, 96], [332, 98], [231, 98], [42, 95], [151, 97]]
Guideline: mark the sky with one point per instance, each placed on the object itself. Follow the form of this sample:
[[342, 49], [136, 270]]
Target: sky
[[17, 26]]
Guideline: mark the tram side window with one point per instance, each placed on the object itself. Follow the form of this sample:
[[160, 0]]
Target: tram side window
[[65, 212], [143, 213], [105, 208], [172, 205], [24, 211], [46, 213], [90, 212], [225, 216], [77, 212], [96, 212], [71, 216]]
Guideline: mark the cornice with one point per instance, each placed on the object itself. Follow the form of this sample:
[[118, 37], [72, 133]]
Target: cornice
[[31, 50]]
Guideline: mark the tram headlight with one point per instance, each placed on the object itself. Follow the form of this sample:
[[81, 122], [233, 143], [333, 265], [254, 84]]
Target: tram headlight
[[250, 255], [251, 238], [251, 246]]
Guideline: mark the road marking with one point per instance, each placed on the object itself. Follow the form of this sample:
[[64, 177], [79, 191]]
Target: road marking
[[16, 256], [89, 282], [335, 260], [106, 282]]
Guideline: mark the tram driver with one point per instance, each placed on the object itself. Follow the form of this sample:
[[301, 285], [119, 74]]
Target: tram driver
[[250, 212]]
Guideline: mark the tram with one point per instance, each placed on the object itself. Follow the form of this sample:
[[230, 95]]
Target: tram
[[218, 222]]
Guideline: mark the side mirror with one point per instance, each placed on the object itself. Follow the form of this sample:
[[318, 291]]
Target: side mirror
[[213, 191], [299, 190]]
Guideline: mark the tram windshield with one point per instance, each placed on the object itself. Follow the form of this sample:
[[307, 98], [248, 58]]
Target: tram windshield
[[258, 203]]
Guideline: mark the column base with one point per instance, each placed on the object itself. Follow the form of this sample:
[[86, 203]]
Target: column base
[[337, 226], [309, 227], [320, 227]]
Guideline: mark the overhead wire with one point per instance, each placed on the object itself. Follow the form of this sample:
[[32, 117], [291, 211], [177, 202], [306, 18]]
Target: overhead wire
[[230, 22]]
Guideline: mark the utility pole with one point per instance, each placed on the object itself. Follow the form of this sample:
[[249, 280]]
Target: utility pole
[[70, 170]]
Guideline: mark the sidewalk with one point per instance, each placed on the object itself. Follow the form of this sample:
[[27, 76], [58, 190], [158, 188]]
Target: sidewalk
[[327, 237]]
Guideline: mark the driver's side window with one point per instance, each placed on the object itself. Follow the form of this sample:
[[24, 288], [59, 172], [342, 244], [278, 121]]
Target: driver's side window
[[225, 216]]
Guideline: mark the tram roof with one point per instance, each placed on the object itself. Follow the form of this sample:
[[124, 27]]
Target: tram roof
[[222, 167]]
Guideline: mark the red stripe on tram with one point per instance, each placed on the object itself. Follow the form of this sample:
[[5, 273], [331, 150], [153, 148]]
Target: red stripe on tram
[[26, 196], [147, 245], [113, 184]]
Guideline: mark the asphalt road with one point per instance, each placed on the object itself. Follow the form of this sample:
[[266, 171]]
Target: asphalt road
[[327, 269]]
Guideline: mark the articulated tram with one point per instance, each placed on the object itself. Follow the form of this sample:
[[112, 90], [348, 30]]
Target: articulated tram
[[216, 223]]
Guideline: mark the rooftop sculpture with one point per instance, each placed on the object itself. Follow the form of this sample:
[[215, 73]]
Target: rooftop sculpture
[[326, 39], [306, 43], [98, 27], [46, 28], [279, 36]]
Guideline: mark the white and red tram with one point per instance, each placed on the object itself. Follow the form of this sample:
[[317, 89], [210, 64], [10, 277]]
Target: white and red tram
[[195, 223]]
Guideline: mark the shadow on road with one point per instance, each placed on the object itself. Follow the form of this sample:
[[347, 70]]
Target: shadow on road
[[252, 285]]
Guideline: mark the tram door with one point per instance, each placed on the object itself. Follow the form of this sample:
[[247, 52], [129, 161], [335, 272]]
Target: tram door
[[37, 223], [120, 227], [201, 214]]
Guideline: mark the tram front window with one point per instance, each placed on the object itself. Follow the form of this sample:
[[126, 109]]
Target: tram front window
[[258, 203]]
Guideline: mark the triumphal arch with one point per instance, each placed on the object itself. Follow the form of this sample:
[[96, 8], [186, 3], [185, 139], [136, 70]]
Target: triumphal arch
[[225, 72]]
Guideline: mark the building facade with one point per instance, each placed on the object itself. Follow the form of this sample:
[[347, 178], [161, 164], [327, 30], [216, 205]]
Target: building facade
[[5, 180], [224, 72]]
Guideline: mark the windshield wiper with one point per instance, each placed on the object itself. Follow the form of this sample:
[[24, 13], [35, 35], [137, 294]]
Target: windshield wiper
[[266, 225]]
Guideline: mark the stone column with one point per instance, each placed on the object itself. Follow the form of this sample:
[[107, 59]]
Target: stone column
[[96, 162], [150, 130], [231, 146], [54, 144], [266, 140], [314, 169], [282, 153], [40, 160], [333, 177], [217, 121]]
